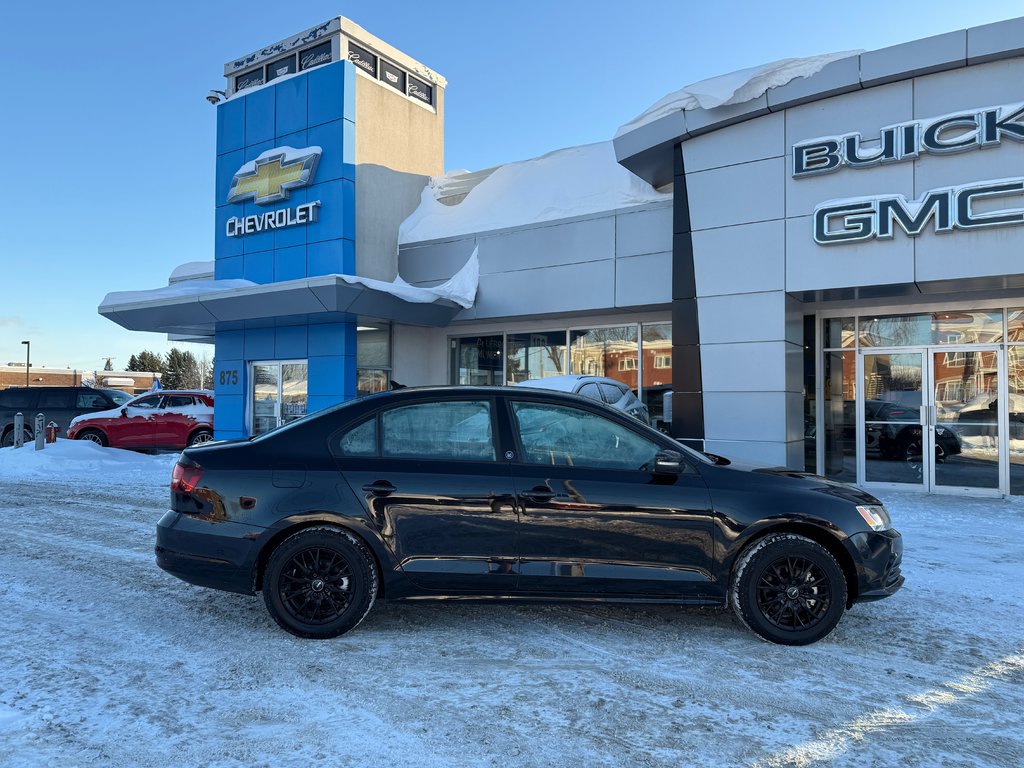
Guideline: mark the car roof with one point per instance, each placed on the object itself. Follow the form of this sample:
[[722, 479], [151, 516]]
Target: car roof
[[568, 382]]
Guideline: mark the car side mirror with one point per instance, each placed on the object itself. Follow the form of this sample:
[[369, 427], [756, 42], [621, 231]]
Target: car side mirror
[[124, 412], [668, 463]]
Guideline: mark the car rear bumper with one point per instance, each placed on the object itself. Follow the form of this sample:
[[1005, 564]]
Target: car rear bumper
[[208, 553], [878, 556]]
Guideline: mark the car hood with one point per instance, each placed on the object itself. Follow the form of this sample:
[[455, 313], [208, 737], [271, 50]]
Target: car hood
[[785, 479], [112, 413]]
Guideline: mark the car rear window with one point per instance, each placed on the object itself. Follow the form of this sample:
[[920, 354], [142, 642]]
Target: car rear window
[[612, 394], [17, 399]]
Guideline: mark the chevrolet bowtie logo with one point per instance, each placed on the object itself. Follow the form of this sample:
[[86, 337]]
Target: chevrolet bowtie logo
[[271, 176]]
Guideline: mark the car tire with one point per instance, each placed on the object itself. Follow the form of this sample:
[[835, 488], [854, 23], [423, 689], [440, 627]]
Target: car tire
[[320, 583], [93, 436], [788, 589], [8, 440], [199, 437]]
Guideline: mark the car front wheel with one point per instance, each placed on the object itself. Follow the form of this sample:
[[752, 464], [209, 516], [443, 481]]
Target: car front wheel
[[93, 436], [788, 589], [8, 440], [320, 583]]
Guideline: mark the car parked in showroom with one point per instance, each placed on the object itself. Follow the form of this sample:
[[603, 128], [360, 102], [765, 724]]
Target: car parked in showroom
[[57, 404], [894, 431], [167, 419], [515, 493], [599, 388]]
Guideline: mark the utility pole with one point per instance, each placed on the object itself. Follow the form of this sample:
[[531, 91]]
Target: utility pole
[[28, 360]]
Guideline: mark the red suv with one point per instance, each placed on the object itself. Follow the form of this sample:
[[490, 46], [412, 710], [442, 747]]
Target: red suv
[[168, 419]]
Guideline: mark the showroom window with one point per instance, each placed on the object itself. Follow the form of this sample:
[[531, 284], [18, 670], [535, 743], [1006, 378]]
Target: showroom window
[[535, 355], [477, 360], [610, 352], [373, 357]]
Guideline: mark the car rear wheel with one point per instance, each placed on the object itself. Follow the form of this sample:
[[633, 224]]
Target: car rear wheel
[[199, 437], [8, 440], [93, 436], [320, 583], [788, 589]]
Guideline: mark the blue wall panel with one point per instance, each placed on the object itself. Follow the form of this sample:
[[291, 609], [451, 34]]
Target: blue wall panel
[[230, 125], [258, 267], [230, 345], [290, 106], [327, 100], [330, 375], [332, 339], [228, 268], [290, 341], [333, 257], [224, 246], [259, 344], [227, 165], [259, 116], [289, 263], [337, 211]]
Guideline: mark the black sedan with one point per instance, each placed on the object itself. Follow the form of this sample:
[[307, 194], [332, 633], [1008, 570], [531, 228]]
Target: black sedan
[[513, 493]]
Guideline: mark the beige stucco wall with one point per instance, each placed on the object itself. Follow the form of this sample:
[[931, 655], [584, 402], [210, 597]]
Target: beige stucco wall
[[397, 133]]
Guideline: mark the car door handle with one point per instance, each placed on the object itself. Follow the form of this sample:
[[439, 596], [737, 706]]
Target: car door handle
[[538, 494], [380, 488]]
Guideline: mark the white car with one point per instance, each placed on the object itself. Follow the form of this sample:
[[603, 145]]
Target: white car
[[600, 388]]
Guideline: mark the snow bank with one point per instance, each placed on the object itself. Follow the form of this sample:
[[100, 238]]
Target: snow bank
[[567, 182], [734, 87], [87, 461]]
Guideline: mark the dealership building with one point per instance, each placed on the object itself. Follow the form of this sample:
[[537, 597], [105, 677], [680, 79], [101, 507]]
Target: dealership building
[[818, 266]]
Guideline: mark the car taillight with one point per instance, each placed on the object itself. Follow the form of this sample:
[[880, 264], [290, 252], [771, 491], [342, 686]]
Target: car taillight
[[185, 477]]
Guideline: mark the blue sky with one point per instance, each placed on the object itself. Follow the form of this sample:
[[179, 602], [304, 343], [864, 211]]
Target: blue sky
[[111, 143]]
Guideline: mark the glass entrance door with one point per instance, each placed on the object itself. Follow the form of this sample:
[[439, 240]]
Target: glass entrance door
[[279, 393], [964, 417], [889, 410], [930, 419]]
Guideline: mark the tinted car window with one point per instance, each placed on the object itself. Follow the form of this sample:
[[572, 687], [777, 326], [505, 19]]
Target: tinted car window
[[444, 430], [91, 400], [360, 440], [177, 401], [590, 390], [611, 393], [118, 396], [556, 434], [56, 399], [17, 399], [147, 402]]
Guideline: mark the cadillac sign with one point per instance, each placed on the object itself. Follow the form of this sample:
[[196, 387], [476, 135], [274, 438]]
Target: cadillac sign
[[945, 209]]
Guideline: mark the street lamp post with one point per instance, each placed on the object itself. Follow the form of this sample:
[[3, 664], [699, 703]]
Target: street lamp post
[[28, 349]]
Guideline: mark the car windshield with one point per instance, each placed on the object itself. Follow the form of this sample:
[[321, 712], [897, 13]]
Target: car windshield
[[119, 397]]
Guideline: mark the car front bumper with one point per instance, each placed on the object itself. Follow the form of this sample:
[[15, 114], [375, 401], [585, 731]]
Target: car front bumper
[[208, 553], [877, 556]]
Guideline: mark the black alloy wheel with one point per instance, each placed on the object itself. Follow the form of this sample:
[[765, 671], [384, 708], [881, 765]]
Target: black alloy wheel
[[320, 583], [788, 589]]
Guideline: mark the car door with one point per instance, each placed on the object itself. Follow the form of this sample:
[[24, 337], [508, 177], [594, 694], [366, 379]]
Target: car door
[[138, 424], [595, 519], [176, 419], [433, 480]]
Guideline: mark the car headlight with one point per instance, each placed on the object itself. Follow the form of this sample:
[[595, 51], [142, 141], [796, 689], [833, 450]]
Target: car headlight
[[876, 516]]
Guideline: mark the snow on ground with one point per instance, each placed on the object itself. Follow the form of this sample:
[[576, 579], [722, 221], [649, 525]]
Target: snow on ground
[[107, 660]]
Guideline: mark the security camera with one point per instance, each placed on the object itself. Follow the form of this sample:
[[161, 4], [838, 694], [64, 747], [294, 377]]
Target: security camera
[[214, 97]]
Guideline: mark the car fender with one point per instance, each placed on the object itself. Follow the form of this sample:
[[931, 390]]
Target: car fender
[[387, 566]]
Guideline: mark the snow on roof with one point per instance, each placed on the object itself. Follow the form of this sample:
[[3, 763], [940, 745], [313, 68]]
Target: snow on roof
[[734, 88], [460, 289], [191, 270], [564, 183]]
